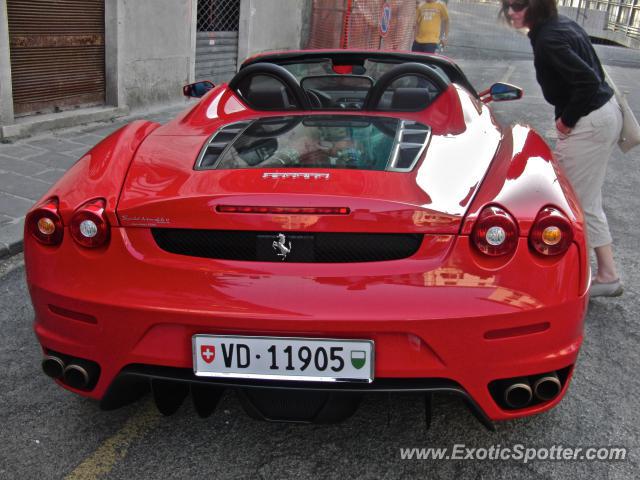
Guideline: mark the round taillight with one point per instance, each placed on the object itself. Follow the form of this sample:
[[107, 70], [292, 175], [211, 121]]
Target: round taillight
[[551, 233], [89, 225], [495, 232], [45, 224], [88, 228]]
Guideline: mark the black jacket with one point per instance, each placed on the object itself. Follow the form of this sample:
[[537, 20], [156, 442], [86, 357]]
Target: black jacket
[[568, 69]]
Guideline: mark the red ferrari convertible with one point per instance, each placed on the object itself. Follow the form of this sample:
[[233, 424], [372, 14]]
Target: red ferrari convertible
[[325, 225]]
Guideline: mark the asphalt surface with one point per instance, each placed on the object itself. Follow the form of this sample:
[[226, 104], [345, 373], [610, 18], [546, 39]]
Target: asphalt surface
[[47, 432]]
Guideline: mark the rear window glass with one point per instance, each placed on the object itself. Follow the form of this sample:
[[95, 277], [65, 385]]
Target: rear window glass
[[318, 141], [305, 69], [371, 68]]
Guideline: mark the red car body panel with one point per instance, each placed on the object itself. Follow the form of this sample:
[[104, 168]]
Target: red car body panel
[[447, 311], [161, 181], [100, 171]]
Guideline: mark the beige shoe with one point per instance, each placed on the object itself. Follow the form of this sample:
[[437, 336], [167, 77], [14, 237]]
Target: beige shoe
[[606, 289]]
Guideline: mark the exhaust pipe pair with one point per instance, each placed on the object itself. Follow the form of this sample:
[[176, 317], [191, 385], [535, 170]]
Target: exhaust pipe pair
[[519, 392], [53, 366], [78, 373], [547, 387]]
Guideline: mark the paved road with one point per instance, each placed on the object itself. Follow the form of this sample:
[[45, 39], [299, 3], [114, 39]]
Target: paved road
[[28, 167], [477, 31], [49, 433]]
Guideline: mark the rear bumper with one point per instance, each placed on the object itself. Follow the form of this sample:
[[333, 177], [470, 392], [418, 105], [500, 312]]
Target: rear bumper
[[134, 380], [441, 315]]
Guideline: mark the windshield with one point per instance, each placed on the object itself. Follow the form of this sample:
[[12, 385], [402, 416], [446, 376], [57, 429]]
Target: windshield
[[371, 68], [305, 69], [318, 141]]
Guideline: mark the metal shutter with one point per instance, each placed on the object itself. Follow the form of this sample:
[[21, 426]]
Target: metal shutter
[[217, 39], [57, 54]]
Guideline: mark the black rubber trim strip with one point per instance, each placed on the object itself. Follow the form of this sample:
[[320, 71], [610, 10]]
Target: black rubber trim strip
[[351, 57], [119, 392]]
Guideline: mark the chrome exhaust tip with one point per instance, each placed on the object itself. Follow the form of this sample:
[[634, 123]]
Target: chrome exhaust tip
[[53, 366], [518, 393], [76, 376], [547, 387]]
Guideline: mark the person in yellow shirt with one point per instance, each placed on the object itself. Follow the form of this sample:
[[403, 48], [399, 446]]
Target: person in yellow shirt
[[431, 16]]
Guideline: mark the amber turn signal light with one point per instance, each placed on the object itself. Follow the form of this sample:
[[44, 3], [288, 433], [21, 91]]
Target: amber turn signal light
[[551, 233], [45, 224]]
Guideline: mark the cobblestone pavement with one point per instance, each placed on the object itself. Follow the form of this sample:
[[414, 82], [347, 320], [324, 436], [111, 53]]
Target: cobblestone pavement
[[28, 167], [49, 433]]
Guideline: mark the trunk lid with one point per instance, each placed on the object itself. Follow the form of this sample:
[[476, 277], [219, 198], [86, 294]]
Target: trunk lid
[[163, 189]]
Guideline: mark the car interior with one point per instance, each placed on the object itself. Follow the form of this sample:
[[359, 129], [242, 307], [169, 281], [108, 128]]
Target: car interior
[[322, 140], [317, 141], [318, 85]]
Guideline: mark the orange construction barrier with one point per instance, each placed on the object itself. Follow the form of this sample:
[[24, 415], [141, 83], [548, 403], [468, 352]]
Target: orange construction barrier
[[362, 24]]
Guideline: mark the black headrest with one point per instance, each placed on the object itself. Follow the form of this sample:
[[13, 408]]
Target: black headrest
[[410, 99], [271, 97]]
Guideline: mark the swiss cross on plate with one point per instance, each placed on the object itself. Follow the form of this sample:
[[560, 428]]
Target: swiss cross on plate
[[208, 353]]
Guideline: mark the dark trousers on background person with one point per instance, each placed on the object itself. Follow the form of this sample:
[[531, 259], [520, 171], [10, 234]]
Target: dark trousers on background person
[[424, 47]]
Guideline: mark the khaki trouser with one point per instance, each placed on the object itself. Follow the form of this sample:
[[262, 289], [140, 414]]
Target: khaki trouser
[[584, 154]]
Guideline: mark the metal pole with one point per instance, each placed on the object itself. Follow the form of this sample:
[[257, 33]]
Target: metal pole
[[578, 10], [631, 7]]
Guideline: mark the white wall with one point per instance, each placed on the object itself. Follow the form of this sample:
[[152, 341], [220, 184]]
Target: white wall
[[150, 46], [6, 98], [270, 25], [150, 50]]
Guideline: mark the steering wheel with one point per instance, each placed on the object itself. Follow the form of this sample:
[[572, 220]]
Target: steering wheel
[[277, 72], [318, 99], [374, 96]]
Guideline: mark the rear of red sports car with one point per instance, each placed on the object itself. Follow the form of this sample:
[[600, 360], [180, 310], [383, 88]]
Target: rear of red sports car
[[307, 256]]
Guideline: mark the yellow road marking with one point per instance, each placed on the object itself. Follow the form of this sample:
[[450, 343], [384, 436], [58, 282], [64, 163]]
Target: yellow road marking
[[115, 448]]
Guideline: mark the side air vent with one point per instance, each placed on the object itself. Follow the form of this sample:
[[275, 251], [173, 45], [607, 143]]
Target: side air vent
[[411, 140], [218, 143], [299, 247]]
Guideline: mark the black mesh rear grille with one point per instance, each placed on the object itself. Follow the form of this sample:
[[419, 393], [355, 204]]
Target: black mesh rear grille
[[303, 247]]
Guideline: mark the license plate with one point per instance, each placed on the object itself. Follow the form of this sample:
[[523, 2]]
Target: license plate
[[283, 358]]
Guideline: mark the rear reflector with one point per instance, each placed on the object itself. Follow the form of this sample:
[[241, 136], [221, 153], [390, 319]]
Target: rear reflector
[[284, 210], [82, 317], [517, 331]]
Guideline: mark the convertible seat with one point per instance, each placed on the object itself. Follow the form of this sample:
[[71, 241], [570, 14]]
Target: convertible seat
[[269, 97], [410, 99]]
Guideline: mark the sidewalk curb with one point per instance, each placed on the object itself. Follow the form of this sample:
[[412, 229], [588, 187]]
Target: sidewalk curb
[[11, 239], [12, 232], [11, 249]]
